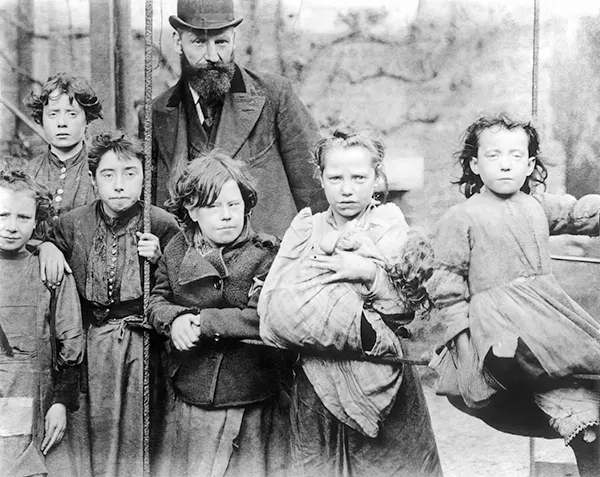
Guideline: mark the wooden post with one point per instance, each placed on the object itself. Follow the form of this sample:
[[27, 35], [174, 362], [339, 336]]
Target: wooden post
[[103, 53], [110, 43], [123, 98], [24, 52]]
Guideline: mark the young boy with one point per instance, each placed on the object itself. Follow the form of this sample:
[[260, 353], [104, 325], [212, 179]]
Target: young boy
[[105, 247], [41, 337]]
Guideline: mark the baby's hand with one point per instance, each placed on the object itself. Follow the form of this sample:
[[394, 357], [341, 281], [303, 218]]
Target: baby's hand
[[185, 331], [149, 247], [56, 423], [333, 241], [347, 243]]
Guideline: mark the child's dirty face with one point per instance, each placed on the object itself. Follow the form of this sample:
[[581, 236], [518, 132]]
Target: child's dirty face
[[222, 221], [64, 122], [348, 180], [17, 219], [503, 161], [119, 182]]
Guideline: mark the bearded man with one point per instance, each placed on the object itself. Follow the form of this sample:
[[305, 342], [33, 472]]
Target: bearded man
[[254, 117]]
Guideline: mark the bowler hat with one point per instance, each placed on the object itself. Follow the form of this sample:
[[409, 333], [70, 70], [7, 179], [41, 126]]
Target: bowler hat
[[204, 15]]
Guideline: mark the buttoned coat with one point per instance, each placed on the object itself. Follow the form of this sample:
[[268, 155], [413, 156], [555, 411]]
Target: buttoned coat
[[221, 287], [262, 123]]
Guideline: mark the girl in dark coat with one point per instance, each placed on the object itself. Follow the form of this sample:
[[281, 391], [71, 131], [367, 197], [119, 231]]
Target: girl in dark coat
[[228, 416]]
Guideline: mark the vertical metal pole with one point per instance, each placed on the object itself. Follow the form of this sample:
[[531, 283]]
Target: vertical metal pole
[[534, 113], [536, 57], [147, 197]]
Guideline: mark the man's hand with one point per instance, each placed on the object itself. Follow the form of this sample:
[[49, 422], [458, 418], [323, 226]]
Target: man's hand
[[185, 331], [149, 247], [53, 264], [56, 423]]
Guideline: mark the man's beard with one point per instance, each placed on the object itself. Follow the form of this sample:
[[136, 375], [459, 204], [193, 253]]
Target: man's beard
[[212, 81]]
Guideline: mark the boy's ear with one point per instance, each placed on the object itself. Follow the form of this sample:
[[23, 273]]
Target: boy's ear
[[474, 163], [92, 179]]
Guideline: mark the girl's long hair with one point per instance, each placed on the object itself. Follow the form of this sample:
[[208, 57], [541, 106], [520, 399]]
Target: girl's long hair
[[470, 183]]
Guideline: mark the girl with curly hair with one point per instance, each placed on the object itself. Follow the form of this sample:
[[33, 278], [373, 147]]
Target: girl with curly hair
[[41, 341], [510, 329], [338, 287], [64, 107]]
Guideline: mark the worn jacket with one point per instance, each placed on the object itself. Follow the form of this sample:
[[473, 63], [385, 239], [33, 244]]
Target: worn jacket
[[262, 123], [74, 232], [221, 286]]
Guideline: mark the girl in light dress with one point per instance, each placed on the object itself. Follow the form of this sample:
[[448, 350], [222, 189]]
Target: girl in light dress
[[510, 329]]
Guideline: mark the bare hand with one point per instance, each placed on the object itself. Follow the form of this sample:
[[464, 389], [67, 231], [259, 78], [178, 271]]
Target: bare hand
[[149, 247], [53, 264], [185, 331], [346, 267], [56, 423]]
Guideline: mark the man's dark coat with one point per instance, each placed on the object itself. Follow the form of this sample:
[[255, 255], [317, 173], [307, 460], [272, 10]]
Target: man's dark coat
[[263, 123]]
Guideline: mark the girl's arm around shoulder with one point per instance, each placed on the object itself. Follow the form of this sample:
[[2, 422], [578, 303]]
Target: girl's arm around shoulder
[[568, 215]]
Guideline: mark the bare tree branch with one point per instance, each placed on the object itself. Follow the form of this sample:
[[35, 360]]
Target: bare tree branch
[[381, 73], [18, 70]]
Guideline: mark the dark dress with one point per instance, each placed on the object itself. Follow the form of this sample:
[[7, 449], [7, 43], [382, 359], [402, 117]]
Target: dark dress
[[107, 268]]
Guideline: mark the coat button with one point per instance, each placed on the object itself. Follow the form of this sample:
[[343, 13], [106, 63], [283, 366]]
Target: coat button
[[218, 283]]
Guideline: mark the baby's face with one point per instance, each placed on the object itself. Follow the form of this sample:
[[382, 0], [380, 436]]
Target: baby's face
[[17, 219]]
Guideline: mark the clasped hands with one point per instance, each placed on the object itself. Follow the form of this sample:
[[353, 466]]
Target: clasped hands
[[185, 331]]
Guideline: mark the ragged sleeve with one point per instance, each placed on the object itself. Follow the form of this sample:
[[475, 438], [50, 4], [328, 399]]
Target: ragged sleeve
[[568, 215], [448, 286], [70, 340]]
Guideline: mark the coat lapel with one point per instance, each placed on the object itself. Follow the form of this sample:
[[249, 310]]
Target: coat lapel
[[195, 267], [238, 117], [169, 124]]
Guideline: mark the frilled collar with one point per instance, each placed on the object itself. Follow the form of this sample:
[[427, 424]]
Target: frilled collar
[[70, 162]]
